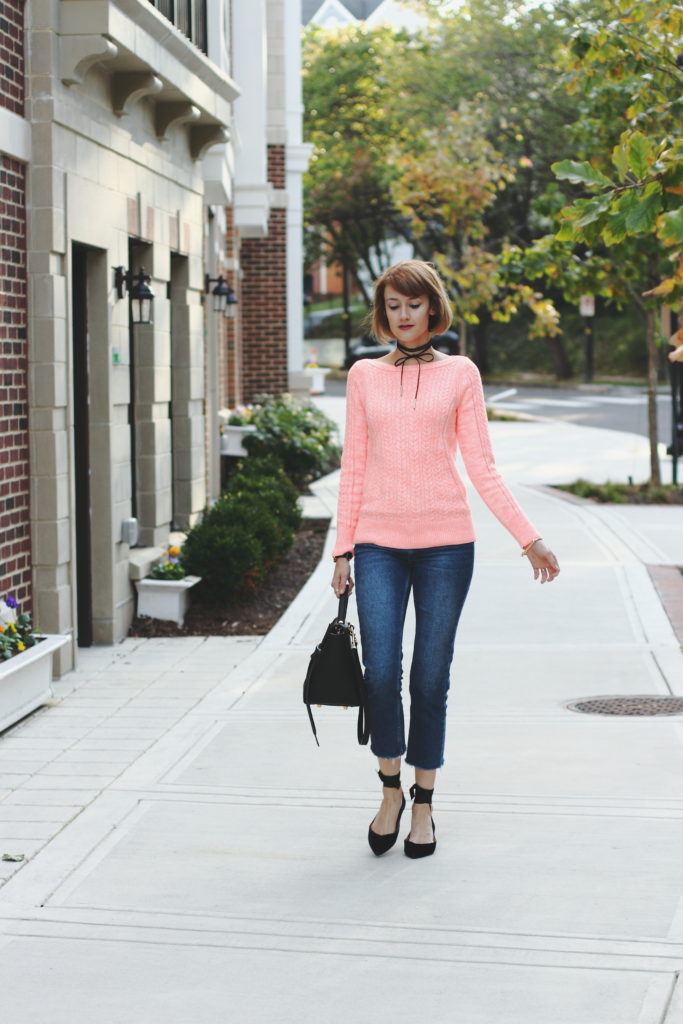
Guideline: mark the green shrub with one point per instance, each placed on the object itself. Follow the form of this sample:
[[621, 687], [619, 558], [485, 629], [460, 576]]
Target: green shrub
[[248, 530], [265, 478], [298, 435]]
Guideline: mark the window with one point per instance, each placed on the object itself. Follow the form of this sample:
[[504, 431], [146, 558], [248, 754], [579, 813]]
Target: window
[[189, 16]]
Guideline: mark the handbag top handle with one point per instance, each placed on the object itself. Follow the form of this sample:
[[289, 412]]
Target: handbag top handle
[[343, 605]]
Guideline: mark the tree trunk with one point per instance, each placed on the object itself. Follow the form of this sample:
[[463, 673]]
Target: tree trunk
[[481, 348], [347, 309], [563, 368], [462, 331], [655, 475]]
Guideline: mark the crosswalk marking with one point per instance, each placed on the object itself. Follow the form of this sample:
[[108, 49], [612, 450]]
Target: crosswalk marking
[[569, 403]]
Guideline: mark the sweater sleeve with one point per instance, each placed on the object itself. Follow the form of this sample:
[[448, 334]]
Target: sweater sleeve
[[475, 445], [353, 462]]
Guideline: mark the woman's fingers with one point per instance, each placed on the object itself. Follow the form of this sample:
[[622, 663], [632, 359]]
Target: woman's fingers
[[342, 583], [545, 565]]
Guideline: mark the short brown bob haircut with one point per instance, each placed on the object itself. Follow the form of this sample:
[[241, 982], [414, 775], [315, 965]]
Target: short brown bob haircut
[[411, 278]]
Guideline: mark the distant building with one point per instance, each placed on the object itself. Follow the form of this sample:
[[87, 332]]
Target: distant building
[[338, 13]]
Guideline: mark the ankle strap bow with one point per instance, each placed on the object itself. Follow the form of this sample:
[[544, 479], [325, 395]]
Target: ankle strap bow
[[420, 795], [391, 781]]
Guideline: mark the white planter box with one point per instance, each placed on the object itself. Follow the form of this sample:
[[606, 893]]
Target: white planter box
[[231, 440], [26, 679], [165, 599], [317, 375]]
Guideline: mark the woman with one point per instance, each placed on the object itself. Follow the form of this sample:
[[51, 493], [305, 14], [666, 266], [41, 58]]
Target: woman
[[403, 515]]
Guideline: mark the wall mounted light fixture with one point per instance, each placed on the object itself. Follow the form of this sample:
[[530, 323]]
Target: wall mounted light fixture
[[140, 294], [224, 298]]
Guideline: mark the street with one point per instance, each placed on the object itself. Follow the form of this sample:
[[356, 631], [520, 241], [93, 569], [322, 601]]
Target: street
[[621, 408], [618, 408]]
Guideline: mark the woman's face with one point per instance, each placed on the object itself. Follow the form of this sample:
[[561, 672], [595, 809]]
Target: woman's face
[[408, 317]]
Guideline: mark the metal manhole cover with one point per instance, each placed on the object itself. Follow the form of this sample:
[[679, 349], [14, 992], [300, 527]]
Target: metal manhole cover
[[636, 705]]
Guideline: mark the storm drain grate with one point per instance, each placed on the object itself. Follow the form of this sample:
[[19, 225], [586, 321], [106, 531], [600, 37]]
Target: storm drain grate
[[636, 705]]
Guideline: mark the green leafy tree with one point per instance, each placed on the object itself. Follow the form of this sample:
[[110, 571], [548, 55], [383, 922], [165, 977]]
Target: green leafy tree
[[434, 139], [444, 188], [501, 60], [627, 52], [351, 121]]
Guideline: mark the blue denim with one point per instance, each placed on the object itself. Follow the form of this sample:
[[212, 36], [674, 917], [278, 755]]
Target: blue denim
[[439, 578]]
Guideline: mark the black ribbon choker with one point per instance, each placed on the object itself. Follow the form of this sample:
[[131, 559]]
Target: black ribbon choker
[[421, 354]]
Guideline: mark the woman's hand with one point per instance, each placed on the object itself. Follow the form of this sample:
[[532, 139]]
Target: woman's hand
[[342, 577], [546, 566]]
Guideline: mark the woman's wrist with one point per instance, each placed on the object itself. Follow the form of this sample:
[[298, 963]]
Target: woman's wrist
[[528, 547], [348, 555]]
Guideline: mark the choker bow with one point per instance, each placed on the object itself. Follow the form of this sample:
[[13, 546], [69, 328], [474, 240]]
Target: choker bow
[[420, 354]]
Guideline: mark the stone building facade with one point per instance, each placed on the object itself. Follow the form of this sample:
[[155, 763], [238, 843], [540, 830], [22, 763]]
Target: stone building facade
[[128, 141]]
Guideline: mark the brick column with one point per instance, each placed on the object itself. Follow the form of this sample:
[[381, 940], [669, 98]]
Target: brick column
[[263, 297], [15, 524], [15, 475]]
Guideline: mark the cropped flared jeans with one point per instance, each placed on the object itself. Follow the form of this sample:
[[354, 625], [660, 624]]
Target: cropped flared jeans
[[439, 578]]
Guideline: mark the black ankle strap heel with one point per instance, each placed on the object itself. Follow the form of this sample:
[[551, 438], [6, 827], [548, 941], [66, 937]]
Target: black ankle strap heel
[[390, 781], [420, 795], [380, 844]]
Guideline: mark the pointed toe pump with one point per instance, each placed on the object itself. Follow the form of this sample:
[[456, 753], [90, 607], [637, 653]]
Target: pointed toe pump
[[415, 850], [380, 844]]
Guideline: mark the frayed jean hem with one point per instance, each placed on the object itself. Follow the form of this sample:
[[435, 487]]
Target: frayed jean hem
[[410, 764], [387, 757], [421, 768]]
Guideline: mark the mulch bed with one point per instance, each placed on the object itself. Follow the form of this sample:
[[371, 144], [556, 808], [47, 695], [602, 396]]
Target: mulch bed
[[628, 494], [255, 612], [668, 581]]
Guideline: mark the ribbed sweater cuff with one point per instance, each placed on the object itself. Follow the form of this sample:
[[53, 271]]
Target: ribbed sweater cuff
[[342, 545]]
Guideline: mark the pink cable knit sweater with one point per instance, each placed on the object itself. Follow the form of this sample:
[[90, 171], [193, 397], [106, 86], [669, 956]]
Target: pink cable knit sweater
[[399, 484]]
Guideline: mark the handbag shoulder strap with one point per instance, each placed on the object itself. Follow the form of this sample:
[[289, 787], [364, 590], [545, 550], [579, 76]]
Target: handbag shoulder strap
[[363, 727], [310, 717]]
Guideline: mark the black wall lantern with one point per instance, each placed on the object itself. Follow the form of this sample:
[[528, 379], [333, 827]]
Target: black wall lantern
[[141, 295], [224, 299]]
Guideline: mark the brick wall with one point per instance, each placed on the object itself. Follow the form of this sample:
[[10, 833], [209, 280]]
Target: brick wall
[[276, 166], [263, 300], [12, 55], [15, 527]]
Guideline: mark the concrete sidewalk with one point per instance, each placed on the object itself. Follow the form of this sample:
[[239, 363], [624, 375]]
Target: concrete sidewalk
[[193, 856]]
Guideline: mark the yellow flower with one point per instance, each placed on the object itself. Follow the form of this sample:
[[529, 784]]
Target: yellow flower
[[174, 552], [2, 629], [21, 647], [12, 628]]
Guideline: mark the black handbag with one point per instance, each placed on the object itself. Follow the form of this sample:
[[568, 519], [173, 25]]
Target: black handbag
[[335, 676]]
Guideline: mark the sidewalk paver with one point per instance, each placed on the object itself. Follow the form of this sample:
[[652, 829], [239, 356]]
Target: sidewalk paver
[[193, 856]]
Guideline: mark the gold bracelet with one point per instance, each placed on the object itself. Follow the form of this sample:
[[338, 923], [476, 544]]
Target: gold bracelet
[[527, 549]]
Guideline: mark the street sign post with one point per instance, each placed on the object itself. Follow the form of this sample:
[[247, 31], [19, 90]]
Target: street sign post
[[587, 311]]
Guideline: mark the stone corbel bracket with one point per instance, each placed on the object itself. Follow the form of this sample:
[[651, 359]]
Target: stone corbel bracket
[[77, 54], [204, 136], [128, 87], [169, 115]]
